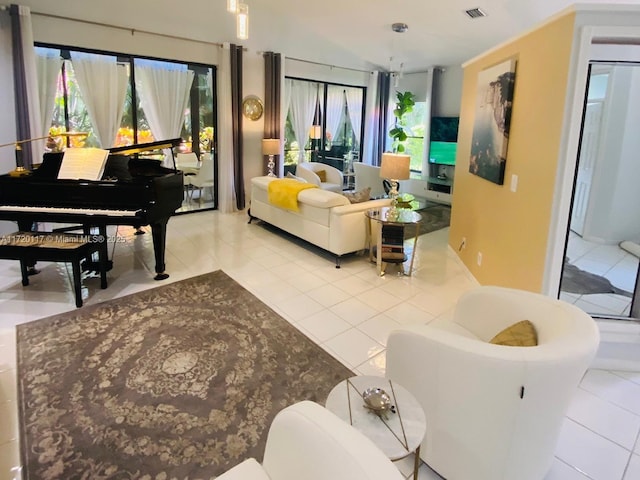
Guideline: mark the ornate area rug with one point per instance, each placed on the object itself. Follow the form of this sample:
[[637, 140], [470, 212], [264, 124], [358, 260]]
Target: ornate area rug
[[576, 280], [178, 382]]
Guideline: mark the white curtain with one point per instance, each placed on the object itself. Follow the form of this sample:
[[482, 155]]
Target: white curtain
[[48, 64], [163, 88], [370, 117], [303, 102], [226, 190], [335, 109], [354, 106], [103, 85]]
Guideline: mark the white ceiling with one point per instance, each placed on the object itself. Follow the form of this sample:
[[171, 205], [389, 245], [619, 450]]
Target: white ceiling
[[347, 33]]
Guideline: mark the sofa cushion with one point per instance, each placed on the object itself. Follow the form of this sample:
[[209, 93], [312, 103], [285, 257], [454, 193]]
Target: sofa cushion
[[317, 197], [521, 334], [322, 175]]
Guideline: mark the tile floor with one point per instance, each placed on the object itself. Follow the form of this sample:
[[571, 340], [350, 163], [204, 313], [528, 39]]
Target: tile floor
[[609, 261], [348, 311]]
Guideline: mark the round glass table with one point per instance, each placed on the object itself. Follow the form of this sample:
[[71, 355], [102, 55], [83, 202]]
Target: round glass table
[[397, 432]]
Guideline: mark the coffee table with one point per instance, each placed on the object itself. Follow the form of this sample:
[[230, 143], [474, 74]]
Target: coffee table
[[397, 434]]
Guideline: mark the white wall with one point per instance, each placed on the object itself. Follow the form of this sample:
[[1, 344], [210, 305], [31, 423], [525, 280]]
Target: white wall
[[448, 91]]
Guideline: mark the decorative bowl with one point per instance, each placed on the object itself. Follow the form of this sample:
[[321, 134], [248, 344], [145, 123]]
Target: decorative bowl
[[376, 400]]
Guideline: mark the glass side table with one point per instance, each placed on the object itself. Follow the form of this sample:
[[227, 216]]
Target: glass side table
[[388, 246], [398, 433]]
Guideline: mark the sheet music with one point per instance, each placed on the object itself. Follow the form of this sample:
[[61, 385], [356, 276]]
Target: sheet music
[[83, 163]]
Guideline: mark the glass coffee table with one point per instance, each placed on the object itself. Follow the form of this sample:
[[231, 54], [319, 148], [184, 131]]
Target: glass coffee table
[[397, 432]]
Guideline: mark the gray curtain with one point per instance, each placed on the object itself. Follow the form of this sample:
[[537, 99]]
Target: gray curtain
[[23, 127], [382, 103], [272, 100], [236, 120]]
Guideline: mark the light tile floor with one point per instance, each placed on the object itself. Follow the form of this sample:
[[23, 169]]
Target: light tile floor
[[347, 311], [609, 261]]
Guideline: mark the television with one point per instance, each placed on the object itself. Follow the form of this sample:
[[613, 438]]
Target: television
[[444, 137]]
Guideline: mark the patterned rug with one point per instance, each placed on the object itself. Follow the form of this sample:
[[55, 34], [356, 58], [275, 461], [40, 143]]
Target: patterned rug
[[435, 216], [181, 381]]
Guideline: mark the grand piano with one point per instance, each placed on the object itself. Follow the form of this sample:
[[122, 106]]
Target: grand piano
[[133, 191]]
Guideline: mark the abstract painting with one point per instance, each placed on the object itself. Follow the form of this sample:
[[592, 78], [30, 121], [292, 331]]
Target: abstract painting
[[494, 102]]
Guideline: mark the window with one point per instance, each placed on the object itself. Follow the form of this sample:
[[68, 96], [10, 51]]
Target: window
[[138, 103], [414, 146], [336, 112]]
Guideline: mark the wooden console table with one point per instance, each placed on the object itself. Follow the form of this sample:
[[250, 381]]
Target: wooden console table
[[30, 247]]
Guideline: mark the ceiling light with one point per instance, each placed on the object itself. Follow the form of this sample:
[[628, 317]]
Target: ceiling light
[[475, 13], [400, 27], [242, 21]]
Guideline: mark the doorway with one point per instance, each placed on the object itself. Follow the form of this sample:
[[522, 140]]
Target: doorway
[[600, 269]]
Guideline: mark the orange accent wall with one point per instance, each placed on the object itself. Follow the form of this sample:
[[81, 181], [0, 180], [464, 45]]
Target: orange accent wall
[[511, 229]]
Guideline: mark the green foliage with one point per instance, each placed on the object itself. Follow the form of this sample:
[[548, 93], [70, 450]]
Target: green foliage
[[404, 104]]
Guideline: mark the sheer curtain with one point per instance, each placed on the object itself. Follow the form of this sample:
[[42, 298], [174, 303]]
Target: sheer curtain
[[335, 108], [226, 189], [354, 105], [48, 64], [163, 88], [303, 103], [103, 84]]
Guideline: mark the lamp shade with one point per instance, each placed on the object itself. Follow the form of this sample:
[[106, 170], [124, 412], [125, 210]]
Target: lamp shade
[[271, 146], [395, 166], [315, 132]]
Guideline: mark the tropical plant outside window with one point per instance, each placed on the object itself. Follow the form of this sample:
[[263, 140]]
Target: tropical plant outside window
[[415, 128], [70, 112]]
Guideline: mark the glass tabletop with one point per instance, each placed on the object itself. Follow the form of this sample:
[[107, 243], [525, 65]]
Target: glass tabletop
[[385, 215]]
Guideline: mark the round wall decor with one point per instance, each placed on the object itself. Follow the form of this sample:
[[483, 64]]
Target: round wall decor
[[252, 107]]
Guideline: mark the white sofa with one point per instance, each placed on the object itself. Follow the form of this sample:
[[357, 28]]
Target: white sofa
[[308, 442], [325, 219], [494, 412]]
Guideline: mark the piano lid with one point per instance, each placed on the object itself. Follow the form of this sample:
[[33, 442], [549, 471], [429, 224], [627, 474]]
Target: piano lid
[[146, 147]]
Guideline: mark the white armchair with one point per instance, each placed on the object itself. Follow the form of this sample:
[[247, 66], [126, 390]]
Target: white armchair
[[334, 177], [368, 176], [308, 442], [494, 412]]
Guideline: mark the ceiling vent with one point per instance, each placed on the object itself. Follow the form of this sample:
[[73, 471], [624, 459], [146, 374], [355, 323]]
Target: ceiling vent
[[475, 13]]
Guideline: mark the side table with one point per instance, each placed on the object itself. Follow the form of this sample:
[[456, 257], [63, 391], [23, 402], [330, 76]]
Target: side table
[[398, 434], [389, 244]]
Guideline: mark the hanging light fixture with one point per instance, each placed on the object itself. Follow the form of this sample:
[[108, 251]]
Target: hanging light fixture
[[232, 6], [242, 21]]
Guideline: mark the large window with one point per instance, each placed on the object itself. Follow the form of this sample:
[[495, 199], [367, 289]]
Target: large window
[[324, 122], [121, 100], [414, 146]]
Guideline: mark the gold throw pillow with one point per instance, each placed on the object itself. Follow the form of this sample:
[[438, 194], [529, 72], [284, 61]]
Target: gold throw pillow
[[521, 334], [322, 174]]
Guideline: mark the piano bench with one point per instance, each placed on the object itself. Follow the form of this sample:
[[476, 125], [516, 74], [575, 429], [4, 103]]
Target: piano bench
[[30, 247]]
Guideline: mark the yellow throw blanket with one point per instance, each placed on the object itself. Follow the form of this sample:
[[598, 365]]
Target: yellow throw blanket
[[283, 192]]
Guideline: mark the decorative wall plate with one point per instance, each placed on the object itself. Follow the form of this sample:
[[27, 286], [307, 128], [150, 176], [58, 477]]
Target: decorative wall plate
[[252, 107]]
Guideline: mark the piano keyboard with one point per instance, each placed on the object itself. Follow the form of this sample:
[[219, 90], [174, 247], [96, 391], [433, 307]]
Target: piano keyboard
[[70, 211]]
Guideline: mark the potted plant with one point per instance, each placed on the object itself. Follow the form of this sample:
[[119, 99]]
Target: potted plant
[[404, 104]]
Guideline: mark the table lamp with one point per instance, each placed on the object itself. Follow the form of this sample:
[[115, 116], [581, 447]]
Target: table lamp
[[271, 147], [20, 169], [315, 133], [394, 167]]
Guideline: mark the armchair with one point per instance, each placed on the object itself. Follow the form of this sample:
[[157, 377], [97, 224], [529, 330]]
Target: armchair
[[494, 411], [307, 441], [334, 177], [368, 176]]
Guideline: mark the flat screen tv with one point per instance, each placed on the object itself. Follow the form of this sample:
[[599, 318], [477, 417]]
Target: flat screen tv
[[444, 137]]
